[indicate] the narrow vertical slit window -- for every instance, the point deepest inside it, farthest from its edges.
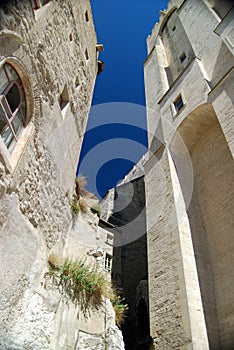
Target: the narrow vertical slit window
(86, 16)
(86, 54)
(77, 82)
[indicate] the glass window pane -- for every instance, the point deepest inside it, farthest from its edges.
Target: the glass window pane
(17, 123)
(23, 106)
(8, 137)
(6, 108)
(3, 121)
(13, 97)
(3, 80)
(12, 73)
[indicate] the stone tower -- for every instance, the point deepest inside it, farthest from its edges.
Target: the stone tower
(189, 176)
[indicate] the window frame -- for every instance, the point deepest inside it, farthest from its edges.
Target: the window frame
(176, 104)
(107, 264)
(11, 116)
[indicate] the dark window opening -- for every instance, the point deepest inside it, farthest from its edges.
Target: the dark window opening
(178, 103)
(174, 28)
(64, 98)
(86, 16)
(77, 82)
(182, 57)
(86, 54)
(13, 97)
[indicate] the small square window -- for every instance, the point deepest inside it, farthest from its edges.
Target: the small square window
(182, 57)
(109, 239)
(178, 103)
(107, 262)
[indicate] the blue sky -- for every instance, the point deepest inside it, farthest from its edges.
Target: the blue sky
(122, 26)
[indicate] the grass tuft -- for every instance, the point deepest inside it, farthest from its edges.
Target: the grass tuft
(85, 286)
(83, 205)
(75, 207)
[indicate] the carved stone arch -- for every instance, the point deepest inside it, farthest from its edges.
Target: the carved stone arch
(210, 216)
(166, 17)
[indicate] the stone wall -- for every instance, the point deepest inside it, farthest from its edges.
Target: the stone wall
(130, 250)
(191, 160)
(53, 50)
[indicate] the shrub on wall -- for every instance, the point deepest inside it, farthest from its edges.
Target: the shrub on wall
(84, 285)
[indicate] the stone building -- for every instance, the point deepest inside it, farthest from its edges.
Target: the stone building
(189, 176)
(48, 67)
(124, 207)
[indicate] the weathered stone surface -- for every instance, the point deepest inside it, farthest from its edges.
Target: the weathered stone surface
(53, 50)
(90, 342)
(189, 221)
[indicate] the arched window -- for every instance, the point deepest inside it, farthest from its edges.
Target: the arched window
(12, 106)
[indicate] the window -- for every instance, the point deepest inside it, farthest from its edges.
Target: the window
(86, 54)
(12, 106)
(64, 98)
(107, 262)
(77, 82)
(86, 16)
(182, 57)
(178, 103)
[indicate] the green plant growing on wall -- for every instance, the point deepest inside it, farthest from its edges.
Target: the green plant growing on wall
(120, 308)
(75, 207)
(78, 205)
(85, 286)
(79, 282)
(96, 209)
